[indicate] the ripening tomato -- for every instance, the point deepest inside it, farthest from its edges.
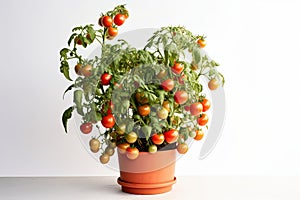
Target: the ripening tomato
(140, 97)
(144, 110)
(213, 84)
(203, 119)
(162, 74)
(166, 105)
(104, 158)
(182, 148)
(121, 129)
(106, 21)
(112, 31)
(108, 121)
(105, 78)
(181, 96)
(109, 151)
(86, 70)
(94, 145)
(177, 68)
(187, 108)
(206, 104)
(122, 148)
(119, 19)
(152, 148)
(78, 68)
(162, 113)
(199, 135)
(181, 79)
(196, 108)
(86, 128)
(132, 153)
(158, 138)
(167, 85)
(131, 137)
(201, 42)
(171, 136)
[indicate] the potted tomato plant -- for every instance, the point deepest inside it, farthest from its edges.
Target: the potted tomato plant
(146, 103)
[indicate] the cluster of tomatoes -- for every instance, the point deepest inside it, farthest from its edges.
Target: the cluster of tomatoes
(110, 23)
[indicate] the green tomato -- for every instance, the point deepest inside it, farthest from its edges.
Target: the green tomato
(152, 148)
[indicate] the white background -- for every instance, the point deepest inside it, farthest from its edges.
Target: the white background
(256, 42)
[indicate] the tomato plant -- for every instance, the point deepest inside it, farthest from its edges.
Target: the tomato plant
(154, 92)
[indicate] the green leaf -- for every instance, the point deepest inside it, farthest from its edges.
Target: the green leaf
(78, 101)
(69, 88)
(64, 68)
(63, 53)
(147, 131)
(92, 33)
(66, 116)
(71, 38)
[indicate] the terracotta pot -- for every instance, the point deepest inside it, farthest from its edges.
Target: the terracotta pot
(149, 173)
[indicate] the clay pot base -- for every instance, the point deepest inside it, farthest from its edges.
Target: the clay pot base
(144, 188)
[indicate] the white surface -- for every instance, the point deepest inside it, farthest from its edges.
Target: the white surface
(208, 188)
(256, 42)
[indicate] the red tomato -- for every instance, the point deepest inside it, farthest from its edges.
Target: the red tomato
(108, 121)
(158, 138)
(122, 148)
(106, 21)
(167, 85)
(119, 19)
(196, 109)
(132, 153)
(181, 96)
(206, 104)
(78, 41)
(202, 120)
(177, 68)
(112, 31)
(171, 136)
(86, 128)
(199, 134)
(105, 79)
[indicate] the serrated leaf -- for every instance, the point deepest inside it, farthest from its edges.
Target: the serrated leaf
(68, 89)
(63, 53)
(66, 116)
(64, 68)
(92, 33)
(71, 38)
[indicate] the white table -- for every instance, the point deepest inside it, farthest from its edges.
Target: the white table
(206, 188)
